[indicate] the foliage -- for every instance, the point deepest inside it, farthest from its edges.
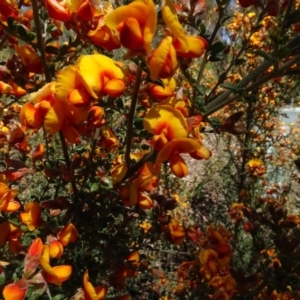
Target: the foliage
(107, 108)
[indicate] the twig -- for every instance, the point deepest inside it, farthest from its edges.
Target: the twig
(96, 136)
(39, 36)
(286, 16)
(13, 33)
(225, 98)
(130, 117)
(210, 41)
(171, 252)
(40, 45)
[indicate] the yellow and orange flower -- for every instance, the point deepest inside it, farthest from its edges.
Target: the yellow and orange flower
(163, 60)
(7, 202)
(57, 10)
(56, 275)
(10, 233)
(170, 137)
(135, 23)
(91, 292)
(31, 215)
(104, 37)
(175, 232)
(15, 291)
(46, 110)
(196, 47)
(68, 234)
(101, 76)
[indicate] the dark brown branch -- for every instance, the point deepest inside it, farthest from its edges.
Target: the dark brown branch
(39, 36)
(40, 46)
(130, 116)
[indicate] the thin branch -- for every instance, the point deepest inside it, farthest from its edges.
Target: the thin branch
(225, 98)
(96, 136)
(13, 33)
(40, 41)
(286, 16)
(138, 79)
(210, 41)
(40, 45)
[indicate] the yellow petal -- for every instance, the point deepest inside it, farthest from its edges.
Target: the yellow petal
(118, 173)
(167, 120)
(12, 206)
(54, 119)
(30, 116)
(170, 18)
(178, 166)
(66, 82)
(63, 272)
(163, 62)
(114, 87)
(15, 291)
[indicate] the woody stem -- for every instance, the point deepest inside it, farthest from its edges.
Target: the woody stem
(130, 117)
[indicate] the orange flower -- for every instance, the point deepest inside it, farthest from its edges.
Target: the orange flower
(32, 258)
(82, 8)
(5, 88)
(92, 293)
(196, 47)
(57, 10)
(68, 234)
(171, 152)
(159, 93)
(136, 24)
(7, 196)
(31, 216)
(256, 167)
(140, 184)
(163, 61)
(101, 76)
(8, 8)
(175, 232)
(29, 58)
(56, 249)
(46, 110)
(9, 233)
(170, 18)
(166, 121)
(56, 275)
(70, 86)
(104, 37)
(15, 291)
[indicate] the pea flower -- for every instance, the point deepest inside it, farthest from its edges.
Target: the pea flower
(135, 23)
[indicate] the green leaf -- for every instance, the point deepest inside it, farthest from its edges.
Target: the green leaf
(51, 27)
(59, 297)
(217, 57)
(217, 48)
(283, 52)
(52, 50)
(2, 278)
(232, 87)
(22, 31)
(265, 55)
(10, 22)
(214, 122)
(94, 187)
(239, 61)
(294, 17)
(202, 28)
(30, 36)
